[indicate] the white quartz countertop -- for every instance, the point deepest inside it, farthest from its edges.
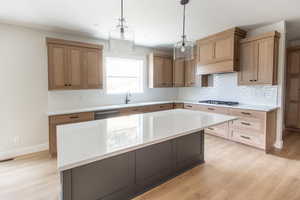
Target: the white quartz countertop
(239, 106)
(86, 142)
(118, 106)
(106, 107)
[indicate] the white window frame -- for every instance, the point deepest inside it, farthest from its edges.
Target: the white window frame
(141, 75)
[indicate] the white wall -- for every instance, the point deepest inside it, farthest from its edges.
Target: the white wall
(25, 99)
(226, 88)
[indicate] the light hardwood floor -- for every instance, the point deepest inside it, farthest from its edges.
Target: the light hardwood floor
(232, 172)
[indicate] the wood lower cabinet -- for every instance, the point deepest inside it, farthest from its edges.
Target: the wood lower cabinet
(292, 98)
(74, 65)
(259, 60)
(64, 119)
(254, 128)
(160, 70)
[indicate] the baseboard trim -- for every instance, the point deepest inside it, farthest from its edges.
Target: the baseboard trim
(23, 151)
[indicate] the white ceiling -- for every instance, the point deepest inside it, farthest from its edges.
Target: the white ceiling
(155, 22)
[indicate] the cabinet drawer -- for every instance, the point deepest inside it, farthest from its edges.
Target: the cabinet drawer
(191, 106)
(178, 105)
(248, 113)
(221, 130)
(248, 125)
(72, 118)
(133, 110)
(252, 139)
(160, 107)
(214, 109)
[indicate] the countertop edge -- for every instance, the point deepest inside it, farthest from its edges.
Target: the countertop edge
(119, 106)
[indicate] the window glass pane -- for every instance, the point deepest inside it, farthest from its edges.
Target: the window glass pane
(124, 75)
(123, 67)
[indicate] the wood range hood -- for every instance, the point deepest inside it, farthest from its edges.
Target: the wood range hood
(219, 53)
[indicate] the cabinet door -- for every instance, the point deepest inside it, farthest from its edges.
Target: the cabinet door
(206, 52)
(248, 60)
(189, 149)
(93, 69)
(57, 67)
(263, 72)
(158, 64)
(179, 73)
(224, 49)
(153, 163)
(168, 72)
(190, 73)
(75, 67)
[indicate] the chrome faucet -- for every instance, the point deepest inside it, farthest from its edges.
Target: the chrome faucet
(127, 99)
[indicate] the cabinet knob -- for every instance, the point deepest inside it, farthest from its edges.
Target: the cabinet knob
(66, 84)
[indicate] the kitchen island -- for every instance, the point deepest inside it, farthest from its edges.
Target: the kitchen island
(119, 158)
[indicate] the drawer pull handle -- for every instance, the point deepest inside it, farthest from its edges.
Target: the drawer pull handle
(245, 137)
(189, 106)
(246, 124)
(74, 117)
(210, 108)
(161, 106)
(246, 113)
(211, 129)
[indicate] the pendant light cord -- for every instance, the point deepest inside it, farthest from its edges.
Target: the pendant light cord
(183, 31)
(122, 16)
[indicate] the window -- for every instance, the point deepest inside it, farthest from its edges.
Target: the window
(124, 75)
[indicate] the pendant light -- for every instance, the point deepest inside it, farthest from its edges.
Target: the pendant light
(121, 34)
(184, 49)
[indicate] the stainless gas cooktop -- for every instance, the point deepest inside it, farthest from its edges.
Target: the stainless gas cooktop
(228, 103)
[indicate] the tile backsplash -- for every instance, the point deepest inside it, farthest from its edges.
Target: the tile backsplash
(226, 88)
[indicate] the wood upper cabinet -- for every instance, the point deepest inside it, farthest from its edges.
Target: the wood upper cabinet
(259, 57)
(190, 73)
(219, 53)
(160, 70)
(246, 75)
(58, 72)
(224, 48)
(206, 52)
(94, 74)
(74, 65)
(184, 73)
(179, 73)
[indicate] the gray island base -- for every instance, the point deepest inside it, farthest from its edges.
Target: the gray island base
(127, 175)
